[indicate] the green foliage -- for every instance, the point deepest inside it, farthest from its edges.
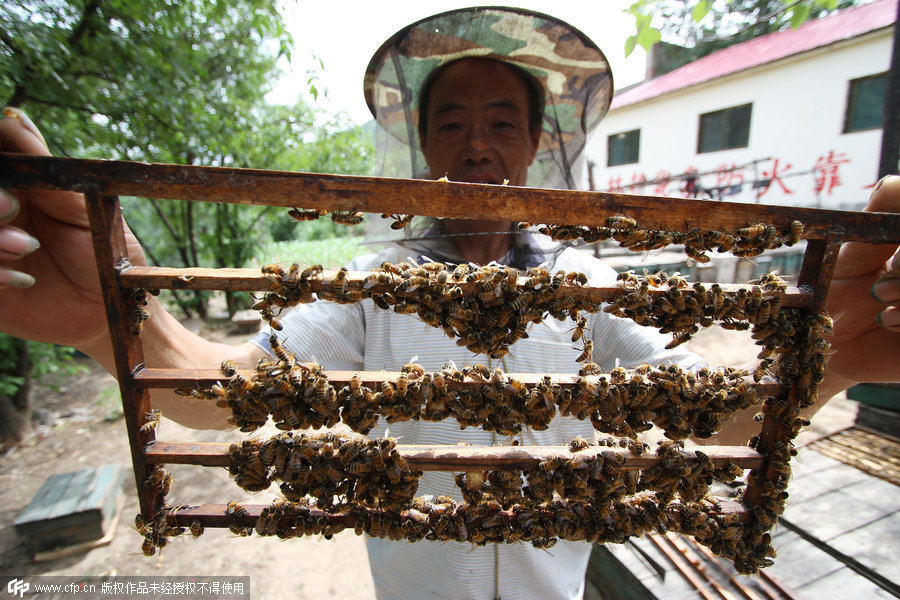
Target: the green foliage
(175, 82)
(46, 363)
(709, 26)
(331, 253)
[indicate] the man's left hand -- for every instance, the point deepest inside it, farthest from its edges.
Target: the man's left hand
(864, 301)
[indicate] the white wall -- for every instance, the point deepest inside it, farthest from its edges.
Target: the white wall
(797, 118)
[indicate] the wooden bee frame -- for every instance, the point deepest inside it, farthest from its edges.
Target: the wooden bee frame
(102, 182)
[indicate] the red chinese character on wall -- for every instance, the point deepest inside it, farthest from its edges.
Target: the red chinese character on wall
(774, 176)
(662, 179)
(728, 175)
(827, 171)
(638, 181)
(615, 184)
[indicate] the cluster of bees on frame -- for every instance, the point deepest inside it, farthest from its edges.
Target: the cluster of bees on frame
(331, 483)
(625, 402)
(334, 470)
(747, 242)
(487, 309)
(586, 493)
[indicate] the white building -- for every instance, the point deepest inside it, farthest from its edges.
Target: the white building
(791, 118)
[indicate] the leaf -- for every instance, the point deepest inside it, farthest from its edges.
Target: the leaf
(701, 10)
(799, 15)
(647, 37)
(630, 43)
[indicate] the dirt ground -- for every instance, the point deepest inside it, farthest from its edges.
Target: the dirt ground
(79, 435)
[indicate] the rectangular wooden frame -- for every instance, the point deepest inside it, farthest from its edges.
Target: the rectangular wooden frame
(103, 182)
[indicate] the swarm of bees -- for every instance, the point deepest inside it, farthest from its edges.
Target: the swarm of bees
(487, 316)
(495, 310)
(327, 467)
(582, 498)
(332, 482)
(748, 241)
(342, 217)
(684, 308)
(625, 402)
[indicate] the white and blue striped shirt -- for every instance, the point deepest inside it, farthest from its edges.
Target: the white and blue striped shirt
(362, 337)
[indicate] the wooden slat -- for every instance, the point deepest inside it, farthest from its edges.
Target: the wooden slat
(111, 253)
(252, 280)
(186, 378)
(462, 458)
(430, 198)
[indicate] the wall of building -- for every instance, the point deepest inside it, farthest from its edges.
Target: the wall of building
(796, 148)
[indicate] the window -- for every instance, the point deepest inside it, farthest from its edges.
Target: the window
(865, 103)
(724, 129)
(623, 148)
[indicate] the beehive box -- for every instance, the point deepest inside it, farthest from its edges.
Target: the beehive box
(71, 509)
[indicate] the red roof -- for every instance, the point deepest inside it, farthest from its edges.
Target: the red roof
(765, 49)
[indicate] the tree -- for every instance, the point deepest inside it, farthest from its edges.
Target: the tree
(705, 26)
(161, 81)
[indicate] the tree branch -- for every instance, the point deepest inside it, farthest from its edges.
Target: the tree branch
(82, 29)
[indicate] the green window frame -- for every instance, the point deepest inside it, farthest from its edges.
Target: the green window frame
(623, 148)
(725, 129)
(865, 103)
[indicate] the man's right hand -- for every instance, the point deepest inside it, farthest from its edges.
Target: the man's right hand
(51, 293)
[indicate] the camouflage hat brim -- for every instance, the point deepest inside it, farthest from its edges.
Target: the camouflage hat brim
(572, 70)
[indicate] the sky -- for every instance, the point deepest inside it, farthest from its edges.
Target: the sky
(345, 34)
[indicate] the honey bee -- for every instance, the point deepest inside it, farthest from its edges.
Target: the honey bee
(621, 222)
(339, 285)
(228, 367)
(152, 421)
(347, 217)
(460, 272)
(577, 444)
(300, 214)
(400, 220)
(196, 529)
(310, 272)
(586, 352)
(148, 547)
(752, 231)
(589, 368)
(578, 330)
(795, 233)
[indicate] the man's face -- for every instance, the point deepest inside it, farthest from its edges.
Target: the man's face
(477, 124)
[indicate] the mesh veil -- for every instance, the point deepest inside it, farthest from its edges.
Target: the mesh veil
(571, 69)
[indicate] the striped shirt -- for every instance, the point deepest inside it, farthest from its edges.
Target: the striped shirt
(364, 337)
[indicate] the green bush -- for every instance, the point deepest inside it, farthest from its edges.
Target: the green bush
(44, 362)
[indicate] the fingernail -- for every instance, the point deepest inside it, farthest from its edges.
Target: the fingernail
(888, 319)
(17, 243)
(886, 290)
(15, 113)
(881, 182)
(17, 279)
(9, 206)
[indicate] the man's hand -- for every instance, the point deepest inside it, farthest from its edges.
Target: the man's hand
(51, 293)
(864, 301)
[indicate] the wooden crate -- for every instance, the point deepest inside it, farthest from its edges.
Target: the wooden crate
(71, 509)
(103, 181)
